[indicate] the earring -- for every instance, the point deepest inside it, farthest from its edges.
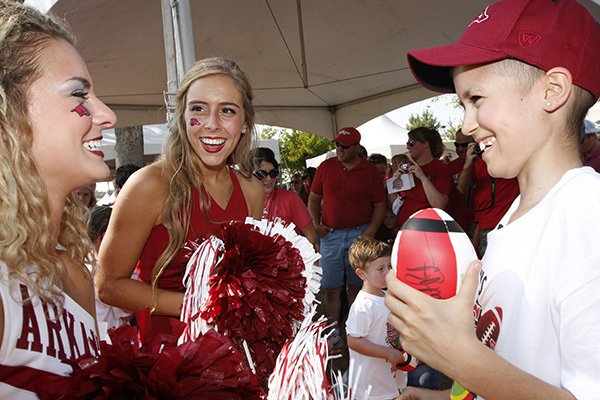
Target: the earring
(548, 104)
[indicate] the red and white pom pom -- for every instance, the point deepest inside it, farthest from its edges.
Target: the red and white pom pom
(431, 253)
(312, 272)
(254, 283)
(195, 280)
(300, 371)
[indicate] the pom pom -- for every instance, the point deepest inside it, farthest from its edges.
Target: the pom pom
(300, 371)
(253, 284)
(208, 368)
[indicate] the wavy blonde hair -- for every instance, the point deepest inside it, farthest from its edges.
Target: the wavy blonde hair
(26, 244)
(181, 163)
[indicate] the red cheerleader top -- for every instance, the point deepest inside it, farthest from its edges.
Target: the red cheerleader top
(172, 276)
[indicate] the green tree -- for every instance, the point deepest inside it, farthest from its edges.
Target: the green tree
(296, 147)
(425, 119)
(429, 120)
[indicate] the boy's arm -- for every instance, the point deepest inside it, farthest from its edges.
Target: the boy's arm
(364, 346)
(441, 334)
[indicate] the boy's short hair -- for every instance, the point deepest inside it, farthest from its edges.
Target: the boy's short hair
(542, 33)
(527, 75)
(365, 250)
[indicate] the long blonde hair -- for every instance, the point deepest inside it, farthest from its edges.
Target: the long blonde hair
(26, 243)
(182, 164)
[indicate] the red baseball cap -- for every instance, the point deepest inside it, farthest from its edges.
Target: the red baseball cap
(348, 136)
(543, 33)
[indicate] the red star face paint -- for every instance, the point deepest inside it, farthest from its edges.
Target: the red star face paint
(81, 111)
(194, 122)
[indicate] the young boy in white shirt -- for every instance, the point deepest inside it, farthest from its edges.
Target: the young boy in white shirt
(526, 72)
(367, 328)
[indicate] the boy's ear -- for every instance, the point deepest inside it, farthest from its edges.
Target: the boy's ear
(558, 85)
(360, 273)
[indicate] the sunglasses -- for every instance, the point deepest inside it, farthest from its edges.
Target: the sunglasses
(341, 146)
(260, 174)
(463, 145)
(410, 143)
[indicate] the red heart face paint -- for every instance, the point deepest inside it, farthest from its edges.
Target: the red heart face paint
(194, 122)
(81, 111)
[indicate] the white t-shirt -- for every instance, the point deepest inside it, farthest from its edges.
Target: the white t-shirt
(538, 303)
(368, 319)
(33, 337)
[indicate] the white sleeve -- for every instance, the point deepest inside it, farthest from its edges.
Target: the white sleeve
(580, 339)
(359, 319)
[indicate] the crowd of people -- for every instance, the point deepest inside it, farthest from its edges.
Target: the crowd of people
(524, 187)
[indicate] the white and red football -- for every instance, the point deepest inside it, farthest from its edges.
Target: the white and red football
(432, 253)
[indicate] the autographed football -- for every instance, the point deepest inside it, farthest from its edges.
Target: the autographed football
(431, 253)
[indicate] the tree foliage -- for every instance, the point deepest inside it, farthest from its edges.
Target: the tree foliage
(296, 147)
(429, 120)
(425, 119)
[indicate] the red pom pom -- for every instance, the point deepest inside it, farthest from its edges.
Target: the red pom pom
(208, 368)
(256, 292)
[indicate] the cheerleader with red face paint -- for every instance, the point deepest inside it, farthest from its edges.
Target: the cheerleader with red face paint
(184, 196)
(50, 128)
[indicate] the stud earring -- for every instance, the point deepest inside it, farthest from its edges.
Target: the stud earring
(548, 104)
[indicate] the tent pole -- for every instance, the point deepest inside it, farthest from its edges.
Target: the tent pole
(172, 82)
(185, 34)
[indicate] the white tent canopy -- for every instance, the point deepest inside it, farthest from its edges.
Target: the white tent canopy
(315, 65)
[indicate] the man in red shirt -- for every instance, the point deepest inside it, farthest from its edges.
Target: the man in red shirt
(347, 200)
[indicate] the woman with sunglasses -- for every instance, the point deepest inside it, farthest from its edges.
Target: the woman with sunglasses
(281, 204)
(433, 182)
(184, 196)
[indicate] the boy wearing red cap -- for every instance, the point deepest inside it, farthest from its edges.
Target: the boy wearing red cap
(526, 72)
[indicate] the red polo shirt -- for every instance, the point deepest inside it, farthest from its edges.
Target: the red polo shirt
(348, 195)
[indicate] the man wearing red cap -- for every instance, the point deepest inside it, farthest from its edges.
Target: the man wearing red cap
(526, 72)
(346, 200)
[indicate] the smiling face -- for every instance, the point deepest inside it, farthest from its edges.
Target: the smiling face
(501, 116)
(504, 117)
(268, 181)
(67, 120)
(214, 118)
